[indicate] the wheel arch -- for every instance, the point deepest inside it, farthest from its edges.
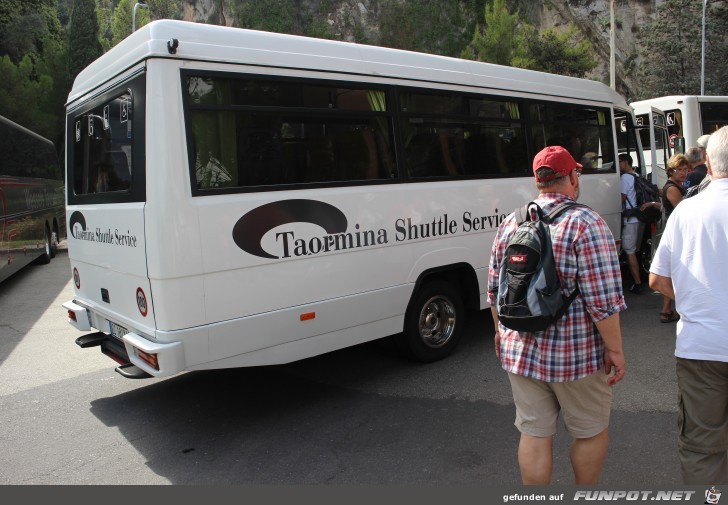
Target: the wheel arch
(461, 276)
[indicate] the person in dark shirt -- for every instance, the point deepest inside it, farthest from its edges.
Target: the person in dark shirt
(696, 158)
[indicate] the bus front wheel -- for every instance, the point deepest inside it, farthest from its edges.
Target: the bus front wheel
(433, 322)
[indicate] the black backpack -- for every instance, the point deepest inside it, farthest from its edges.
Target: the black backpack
(529, 292)
(646, 192)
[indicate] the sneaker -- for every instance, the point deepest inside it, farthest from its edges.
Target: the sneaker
(636, 288)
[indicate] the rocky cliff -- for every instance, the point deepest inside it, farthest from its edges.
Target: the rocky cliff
(362, 21)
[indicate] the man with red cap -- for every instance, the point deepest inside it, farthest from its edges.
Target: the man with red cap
(569, 367)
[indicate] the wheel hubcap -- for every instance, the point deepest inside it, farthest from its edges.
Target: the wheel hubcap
(437, 321)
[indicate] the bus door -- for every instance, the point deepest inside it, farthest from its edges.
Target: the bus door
(653, 132)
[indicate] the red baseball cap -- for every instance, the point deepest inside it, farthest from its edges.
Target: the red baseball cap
(557, 159)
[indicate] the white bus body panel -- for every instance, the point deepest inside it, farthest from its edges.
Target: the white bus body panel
(209, 316)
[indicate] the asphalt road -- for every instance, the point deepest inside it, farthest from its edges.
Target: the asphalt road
(358, 416)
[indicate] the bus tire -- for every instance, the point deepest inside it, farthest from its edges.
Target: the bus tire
(45, 258)
(54, 244)
(433, 322)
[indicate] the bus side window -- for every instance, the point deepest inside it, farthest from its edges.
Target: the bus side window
(357, 152)
(259, 157)
(321, 160)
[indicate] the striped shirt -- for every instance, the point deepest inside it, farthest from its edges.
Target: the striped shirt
(585, 256)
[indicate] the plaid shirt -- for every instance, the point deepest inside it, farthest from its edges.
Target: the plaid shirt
(585, 256)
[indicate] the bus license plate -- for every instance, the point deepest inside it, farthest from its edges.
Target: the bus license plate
(117, 331)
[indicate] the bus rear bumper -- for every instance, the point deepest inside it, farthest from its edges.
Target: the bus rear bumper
(137, 356)
(156, 359)
(78, 316)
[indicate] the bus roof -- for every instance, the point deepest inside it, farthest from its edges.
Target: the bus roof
(240, 46)
(15, 125)
(674, 100)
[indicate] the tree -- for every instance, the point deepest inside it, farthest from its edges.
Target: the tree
(563, 53)
(429, 26)
(277, 16)
(163, 9)
(671, 50)
(498, 43)
(716, 49)
(83, 38)
(22, 92)
(105, 17)
(24, 26)
(121, 24)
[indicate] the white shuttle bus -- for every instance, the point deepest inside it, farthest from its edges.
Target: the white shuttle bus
(687, 117)
(670, 124)
(241, 198)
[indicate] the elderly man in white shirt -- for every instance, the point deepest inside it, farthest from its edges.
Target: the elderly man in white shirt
(690, 267)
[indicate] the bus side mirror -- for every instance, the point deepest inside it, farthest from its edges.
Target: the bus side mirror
(679, 144)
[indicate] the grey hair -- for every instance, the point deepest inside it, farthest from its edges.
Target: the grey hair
(547, 172)
(717, 151)
(693, 155)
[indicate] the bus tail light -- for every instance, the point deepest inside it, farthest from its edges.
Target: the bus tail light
(148, 358)
(77, 316)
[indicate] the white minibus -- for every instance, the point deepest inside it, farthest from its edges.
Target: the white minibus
(241, 198)
(688, 117)
(671, 124)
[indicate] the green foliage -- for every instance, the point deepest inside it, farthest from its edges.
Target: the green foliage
(83, 38)
(671, 50)
(429, 26)
(105, 17)
(507, 40)
(269, 15)
(54, 65)
(22, 92)
(33, 63)
(122, 22)
(295, 17)
(163, 9)
(24, 26)
(716, 49)
(498, 43)
(563, 53)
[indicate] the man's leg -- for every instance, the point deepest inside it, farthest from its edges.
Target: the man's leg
(634, 267)
(535, 459)
(586, 405)
(630, 232)
(536, 413)
(587, 457)
(703, 420)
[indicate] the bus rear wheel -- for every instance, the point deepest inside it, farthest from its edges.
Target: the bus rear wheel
(433, 323)
(45, 258)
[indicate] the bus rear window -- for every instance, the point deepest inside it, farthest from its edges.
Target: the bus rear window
(102, 147)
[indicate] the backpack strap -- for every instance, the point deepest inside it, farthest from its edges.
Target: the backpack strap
(553, 214)
(560, 208)
(523, 214)
(633, 205)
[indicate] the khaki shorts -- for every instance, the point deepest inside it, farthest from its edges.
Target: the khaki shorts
(631, 232)
(585, 405)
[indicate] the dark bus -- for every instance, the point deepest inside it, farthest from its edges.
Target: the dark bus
(32, 211)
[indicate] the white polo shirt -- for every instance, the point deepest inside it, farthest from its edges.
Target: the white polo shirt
(693, 252)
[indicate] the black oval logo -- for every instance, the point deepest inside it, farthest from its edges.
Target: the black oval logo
(76, 218)
(250, 229)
